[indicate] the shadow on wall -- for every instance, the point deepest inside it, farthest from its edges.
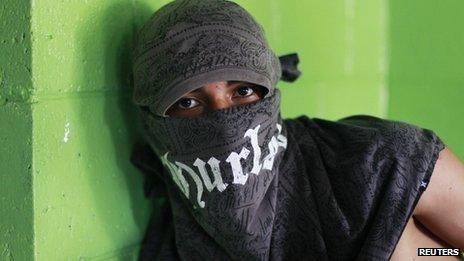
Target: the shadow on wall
(112, 126)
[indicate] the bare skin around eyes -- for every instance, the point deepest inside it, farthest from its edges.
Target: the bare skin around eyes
(215, 96)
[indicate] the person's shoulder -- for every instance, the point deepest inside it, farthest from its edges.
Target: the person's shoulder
(401, 135)
(354, 122)
(365, 131)
(364, 126)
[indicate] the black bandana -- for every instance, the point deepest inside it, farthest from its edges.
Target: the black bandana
(225, 164)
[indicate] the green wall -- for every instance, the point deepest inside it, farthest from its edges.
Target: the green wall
(67, 123)
(342, 47)
(426, 81)
(88, 201)
(67, 128)
(16, 192)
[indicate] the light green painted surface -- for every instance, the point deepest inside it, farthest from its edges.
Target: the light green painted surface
(427, 67)
(16, 213)
(81, 46)
(88, 198)
(342, 48)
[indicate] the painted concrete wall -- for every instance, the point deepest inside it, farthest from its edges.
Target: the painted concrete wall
(426, 81)
(342, 47)
(67, 124)
(88, 201)
(16, 193)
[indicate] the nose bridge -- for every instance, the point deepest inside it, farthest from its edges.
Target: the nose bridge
(218, 96)
(220, 102)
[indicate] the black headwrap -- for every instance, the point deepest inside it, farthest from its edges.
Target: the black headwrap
(189, 43)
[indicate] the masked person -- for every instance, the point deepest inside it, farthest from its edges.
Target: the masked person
(241, 182)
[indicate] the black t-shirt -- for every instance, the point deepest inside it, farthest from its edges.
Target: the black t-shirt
(346, 190)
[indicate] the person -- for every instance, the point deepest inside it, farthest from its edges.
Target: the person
(241, 183)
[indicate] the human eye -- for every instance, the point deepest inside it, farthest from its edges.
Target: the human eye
(187, 103)
(244, 91)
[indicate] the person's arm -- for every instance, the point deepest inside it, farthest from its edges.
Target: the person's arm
(441, 206)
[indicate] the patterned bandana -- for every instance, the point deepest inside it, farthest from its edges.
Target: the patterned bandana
(189, 43)
(225, 163)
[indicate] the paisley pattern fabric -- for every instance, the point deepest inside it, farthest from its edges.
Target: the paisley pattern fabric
(348, 188)
(188, 43)
(225, 165)
(344, 190)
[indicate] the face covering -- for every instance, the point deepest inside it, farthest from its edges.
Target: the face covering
(225, 163)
